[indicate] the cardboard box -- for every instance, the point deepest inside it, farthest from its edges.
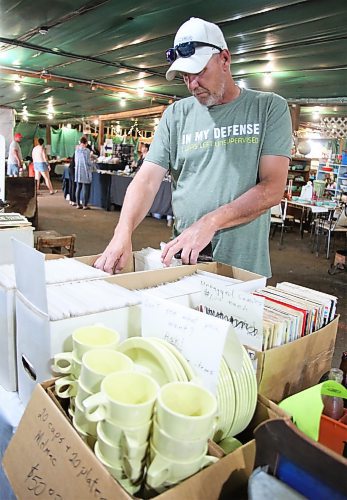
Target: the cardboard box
(8, 362)
(293, 367)
(38, 337)
(47, 457)
(281, 371)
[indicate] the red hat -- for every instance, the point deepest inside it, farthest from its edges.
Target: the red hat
(18, 136)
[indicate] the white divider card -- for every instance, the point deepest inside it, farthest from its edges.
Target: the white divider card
(30, 273)
(242, 310)
(199, 338)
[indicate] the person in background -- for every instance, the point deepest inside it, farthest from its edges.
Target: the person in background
(72, 185)
(144, 148)
(41, 166)
(83, 174)
(228, 150)
(15, 159)
(31, 171)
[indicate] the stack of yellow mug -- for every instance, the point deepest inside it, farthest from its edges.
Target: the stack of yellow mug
(93, 356)
(123, 409)
(184, 420)
(142, 434)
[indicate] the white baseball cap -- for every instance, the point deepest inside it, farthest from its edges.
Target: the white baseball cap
(195, 30)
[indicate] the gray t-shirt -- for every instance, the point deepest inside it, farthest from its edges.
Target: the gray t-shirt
(12, 159)
(213, 154)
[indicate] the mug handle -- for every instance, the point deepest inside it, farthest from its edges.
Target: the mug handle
(157, 472)
(70, 386)
(62, 362)
(209, 460)
(95, 407)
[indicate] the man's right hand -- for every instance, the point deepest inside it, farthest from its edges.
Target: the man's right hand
(115, 256)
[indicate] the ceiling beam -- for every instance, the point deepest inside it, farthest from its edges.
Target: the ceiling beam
(154, 110)
(43, 75)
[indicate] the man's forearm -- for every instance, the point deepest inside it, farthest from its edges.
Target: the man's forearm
(245, 208)
(268, 192)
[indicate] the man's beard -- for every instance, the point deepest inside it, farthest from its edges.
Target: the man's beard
(210, 98)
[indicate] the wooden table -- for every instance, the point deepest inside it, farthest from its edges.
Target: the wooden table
(307, 208)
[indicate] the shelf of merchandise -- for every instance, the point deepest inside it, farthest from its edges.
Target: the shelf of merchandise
(338, 171)
(295, 175)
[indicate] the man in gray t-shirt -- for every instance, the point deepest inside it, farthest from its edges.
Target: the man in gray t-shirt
(14, 160)
(228, 152)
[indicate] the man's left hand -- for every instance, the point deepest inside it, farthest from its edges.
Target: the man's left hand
(190, 243)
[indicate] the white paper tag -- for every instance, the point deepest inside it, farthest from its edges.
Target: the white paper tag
(242, 310)
(200, 338)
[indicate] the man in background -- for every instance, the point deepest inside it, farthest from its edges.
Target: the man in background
(15, 159)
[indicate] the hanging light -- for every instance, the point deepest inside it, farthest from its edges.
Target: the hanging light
(316, 114)
(267, 79)
(141, 89)
(16, 86)
(122, 102)
(25, 114)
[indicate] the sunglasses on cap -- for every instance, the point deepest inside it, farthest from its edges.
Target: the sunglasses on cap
(186, 49)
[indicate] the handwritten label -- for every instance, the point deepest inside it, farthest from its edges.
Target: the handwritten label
(199, 338)
(242, 310)
(37, 486)
(57, 453)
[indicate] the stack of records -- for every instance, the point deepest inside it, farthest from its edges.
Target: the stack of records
(13, 220)
(293, 311)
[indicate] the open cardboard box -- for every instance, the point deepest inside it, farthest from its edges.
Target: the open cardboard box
(8, 364)
(39, 338)
(281, 371)
(46, 457)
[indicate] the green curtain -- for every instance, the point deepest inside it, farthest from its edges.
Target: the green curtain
(28, 131)
(64, 141)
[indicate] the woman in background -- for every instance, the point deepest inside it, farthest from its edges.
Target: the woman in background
(41, 166)
(83, 174)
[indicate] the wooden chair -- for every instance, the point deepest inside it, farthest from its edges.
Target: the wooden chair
(328, 225)
(64, 245)
(278, 219)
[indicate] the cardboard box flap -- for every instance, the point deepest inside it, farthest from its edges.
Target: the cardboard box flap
(47, 458)
(30, 268)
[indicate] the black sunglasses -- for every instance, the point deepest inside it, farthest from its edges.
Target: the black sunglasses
(186, 49)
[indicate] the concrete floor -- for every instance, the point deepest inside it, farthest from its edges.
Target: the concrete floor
(294, 262)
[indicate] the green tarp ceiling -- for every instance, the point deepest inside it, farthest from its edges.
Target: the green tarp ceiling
(303, 43)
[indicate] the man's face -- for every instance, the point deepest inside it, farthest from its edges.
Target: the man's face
(207, 86)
